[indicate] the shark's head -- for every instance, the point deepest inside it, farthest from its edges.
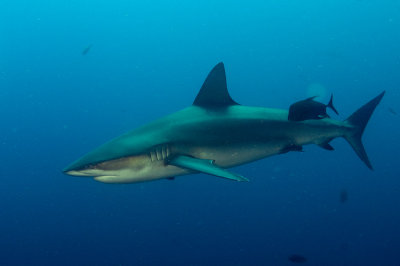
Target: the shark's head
(126, 159)
(120, 160)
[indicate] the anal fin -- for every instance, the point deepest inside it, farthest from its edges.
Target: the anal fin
(326, 146)
(204, 166)
(292, 147)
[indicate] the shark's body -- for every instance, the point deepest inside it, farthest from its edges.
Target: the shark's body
(213, 134)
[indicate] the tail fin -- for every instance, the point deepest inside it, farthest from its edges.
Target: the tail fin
(359, 119)
(330, 104)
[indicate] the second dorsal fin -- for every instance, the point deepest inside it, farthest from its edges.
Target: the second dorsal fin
(214, 92)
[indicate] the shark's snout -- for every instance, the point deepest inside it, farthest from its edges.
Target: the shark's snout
(74, 173)
(86, 170)
(78, 172)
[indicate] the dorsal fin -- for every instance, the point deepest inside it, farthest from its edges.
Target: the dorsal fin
(214, 92)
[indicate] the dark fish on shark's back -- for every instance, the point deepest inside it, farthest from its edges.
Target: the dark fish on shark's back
(309, 109)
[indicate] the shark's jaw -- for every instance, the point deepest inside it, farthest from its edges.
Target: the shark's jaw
(129, 169)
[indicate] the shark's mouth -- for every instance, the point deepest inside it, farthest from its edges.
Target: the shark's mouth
(88, 173)
(98, 177)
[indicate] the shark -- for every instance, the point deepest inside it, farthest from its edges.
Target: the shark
(212, 135)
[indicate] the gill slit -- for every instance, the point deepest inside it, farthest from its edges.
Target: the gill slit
(160, 153)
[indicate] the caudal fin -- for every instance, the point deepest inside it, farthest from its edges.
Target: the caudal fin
(359, 119)
(330, 104)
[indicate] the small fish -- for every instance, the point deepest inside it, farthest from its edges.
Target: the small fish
(309, 109)
(343, 196)
(295, 258)
(392, 111)
(86, 50)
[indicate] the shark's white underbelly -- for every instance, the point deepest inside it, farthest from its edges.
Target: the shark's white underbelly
(230, 156)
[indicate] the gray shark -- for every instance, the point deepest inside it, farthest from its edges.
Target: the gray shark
(213, 134)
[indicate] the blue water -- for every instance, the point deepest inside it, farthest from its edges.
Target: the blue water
(148, 59)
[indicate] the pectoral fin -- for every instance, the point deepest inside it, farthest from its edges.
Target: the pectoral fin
(204, 166)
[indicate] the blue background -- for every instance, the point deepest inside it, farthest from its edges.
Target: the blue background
(148, 59)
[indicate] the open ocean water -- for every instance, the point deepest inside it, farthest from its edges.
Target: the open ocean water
(74, 74)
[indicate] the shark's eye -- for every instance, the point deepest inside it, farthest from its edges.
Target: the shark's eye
(89, 166)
